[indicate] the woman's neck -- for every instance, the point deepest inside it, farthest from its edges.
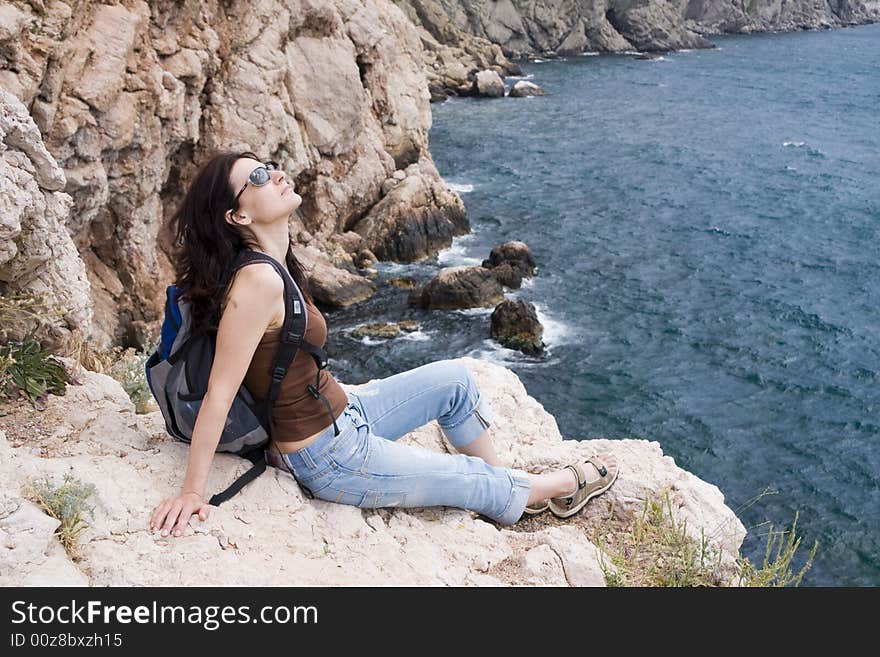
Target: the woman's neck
(277, 254)
(273, 240)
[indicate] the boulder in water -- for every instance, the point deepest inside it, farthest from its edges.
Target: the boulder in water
(515, 325)
(526, 88)
(510, 263)
(460, 287)
(488, 83)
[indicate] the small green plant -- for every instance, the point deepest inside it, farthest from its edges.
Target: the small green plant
(777, 572)
(66, 503)
(658, 551)
(25, 368)
(129, 371)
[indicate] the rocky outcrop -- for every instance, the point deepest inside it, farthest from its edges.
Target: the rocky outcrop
(478, 286)
(130, 97)
(729, 16)
(37, 254)
(524, 27)
(514, 324)
(452, 53)
(270, 534)
(330, 284)
(384, 330)
(465, 286)
(417, 216)
(510, 263)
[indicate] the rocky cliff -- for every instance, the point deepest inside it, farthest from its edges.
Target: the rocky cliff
(107, 109)
(525, 27)
(270, 534)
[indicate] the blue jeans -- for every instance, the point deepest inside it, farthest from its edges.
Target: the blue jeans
(365, 467)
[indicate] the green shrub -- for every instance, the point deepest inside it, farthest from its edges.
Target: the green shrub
(656, 550)
(777, 572)
(66, 503)
(25, 368)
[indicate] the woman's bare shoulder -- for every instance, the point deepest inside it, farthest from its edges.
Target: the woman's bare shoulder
(258, 278)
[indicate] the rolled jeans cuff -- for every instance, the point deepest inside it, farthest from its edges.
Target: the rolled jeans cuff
(473, 426)
(519, 496)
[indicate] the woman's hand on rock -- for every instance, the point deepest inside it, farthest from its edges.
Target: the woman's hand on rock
(172, 514)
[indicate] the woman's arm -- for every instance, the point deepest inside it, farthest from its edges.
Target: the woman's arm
(253, 302)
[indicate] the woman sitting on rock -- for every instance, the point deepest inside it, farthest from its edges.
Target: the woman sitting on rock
(237, 202)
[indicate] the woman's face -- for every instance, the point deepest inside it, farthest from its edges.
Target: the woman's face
(276, 199)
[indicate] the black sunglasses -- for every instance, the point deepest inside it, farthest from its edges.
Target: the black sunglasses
(259, 177)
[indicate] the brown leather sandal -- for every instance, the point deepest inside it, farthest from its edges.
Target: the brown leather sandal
(566, 506)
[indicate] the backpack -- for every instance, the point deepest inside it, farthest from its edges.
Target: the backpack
(178, 371)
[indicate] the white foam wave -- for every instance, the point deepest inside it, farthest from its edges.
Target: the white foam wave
(371, 341)
(460, 188)
(590, 53)
(416, 336)
(495, 353)
(391, 267)
(796, 144)
(555, 331)
(470, 312)
(454, 255)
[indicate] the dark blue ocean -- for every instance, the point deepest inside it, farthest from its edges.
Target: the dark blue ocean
(706, 231)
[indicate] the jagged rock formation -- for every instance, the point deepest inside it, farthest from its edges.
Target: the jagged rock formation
(527, 27)
(128, 98)
(37, 254)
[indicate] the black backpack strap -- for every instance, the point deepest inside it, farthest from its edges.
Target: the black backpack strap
(286, 353)
(258, 458)
(292, 336)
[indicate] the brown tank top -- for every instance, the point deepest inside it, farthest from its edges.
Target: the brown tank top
(298, 415)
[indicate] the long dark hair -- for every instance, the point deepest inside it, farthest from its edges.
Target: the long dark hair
(206, 244)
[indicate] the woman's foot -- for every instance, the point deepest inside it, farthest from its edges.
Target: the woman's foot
(589, 478)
